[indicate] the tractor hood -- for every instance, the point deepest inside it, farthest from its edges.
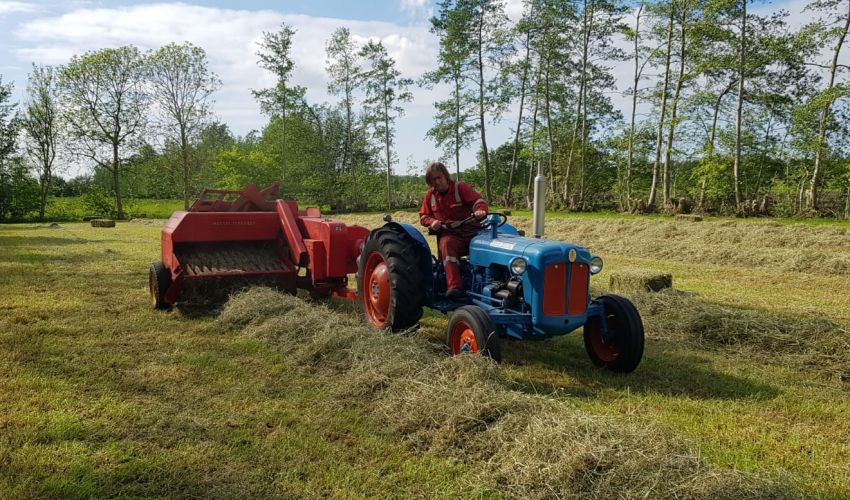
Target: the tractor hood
(486, 250)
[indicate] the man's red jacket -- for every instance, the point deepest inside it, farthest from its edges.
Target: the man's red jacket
(457, 203)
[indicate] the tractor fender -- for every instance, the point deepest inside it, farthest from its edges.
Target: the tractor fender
(412, 231)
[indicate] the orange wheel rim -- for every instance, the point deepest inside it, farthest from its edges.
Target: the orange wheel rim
(376, 288)
(463, 339)
(606, 351)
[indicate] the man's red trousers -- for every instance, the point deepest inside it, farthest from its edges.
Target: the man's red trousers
(452, 247)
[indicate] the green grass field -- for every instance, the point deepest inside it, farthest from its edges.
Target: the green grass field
(103, 396)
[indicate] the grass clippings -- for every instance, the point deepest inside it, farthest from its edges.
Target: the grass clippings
(464, 407)
(815, 344)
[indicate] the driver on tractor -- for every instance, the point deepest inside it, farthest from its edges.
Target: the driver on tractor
(447, 203)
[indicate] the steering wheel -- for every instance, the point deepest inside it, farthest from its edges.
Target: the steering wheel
(502, 219)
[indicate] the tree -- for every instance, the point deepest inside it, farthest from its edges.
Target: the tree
(452, 129)
(640, 59)
(525, 30)
(834, 29)
(41, 127)
(8, 122)
(665, 87)
(18, 192)
(106, 105)
(182, 85)
(384, 91)
(342, 68)
(275, 56)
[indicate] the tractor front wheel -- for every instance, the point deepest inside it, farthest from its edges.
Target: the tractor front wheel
(622, 350)
(159, 281)
(471, 331)
(390, 285)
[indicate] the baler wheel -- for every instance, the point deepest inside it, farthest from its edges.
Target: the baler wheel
(390, 285)
(624, 352)
(471, 331)
(159, 281)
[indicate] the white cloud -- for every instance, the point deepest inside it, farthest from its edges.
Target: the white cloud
(14, 7)
(413, 5)
(230, 38)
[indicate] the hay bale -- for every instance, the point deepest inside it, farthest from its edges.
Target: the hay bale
(639, 280)
(689, 217)
(102, 223)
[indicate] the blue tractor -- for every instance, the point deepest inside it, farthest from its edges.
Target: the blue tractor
(518, 287)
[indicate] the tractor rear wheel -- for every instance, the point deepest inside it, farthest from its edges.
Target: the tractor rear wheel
(390, 281)
(471, 331)
(623, 351)
(159, 281)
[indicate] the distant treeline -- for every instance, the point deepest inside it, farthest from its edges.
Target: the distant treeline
(731, 110)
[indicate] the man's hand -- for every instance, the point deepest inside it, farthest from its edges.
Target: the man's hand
(436, 225)
(480, 214)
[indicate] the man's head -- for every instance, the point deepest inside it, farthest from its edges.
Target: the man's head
(437, 176)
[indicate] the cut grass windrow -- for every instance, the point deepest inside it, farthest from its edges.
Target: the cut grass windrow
(465, 407)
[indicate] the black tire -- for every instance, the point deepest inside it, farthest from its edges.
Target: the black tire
(624, 354)
(484, 339)
(393, 300)
(159, 281)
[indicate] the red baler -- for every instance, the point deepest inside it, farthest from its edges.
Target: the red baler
(248, 234)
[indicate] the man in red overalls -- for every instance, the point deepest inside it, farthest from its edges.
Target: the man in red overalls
(448, 201)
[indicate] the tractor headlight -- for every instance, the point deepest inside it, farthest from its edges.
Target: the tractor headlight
(518, 266)
(595, 265)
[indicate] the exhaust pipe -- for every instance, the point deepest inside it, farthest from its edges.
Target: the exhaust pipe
(539, 203)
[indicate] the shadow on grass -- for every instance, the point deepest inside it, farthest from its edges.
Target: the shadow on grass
(563, 365)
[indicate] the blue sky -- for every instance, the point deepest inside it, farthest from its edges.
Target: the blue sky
(50, 32)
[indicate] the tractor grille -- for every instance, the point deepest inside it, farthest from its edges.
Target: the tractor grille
(226, 258)
(560, 278)
(579, 281)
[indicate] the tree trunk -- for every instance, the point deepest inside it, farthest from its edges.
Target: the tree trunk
(711, 138)
(549, 134)
(515, 153)
(485, 152)
(528, 192)
(653, 190)
(184, 158)
(671, 131)
(588, 28)
(812, 201)
(457, 124)
(116, 186)
(387, 145)
(45, 187)
(283, 139)
(736, 165)
(630, 155)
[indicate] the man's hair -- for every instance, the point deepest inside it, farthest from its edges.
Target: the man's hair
(434, 170)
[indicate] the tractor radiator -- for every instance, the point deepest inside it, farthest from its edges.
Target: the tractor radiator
(565, 288)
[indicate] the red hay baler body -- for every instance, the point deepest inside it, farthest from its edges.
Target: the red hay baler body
(245, 234)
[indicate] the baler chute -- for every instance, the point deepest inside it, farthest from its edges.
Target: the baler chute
(247, 236)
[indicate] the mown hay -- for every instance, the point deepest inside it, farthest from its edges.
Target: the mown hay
(757, 244)
(523, 445)
(815, 344)
(639, 280)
